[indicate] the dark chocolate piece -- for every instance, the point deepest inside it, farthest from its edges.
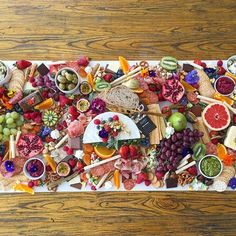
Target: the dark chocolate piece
(77, 185)
(145, 125)
(187, 67)
(43, 70)
(28, 102)
(171, 183)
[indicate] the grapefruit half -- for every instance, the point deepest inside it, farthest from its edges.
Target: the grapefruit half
(216, 116)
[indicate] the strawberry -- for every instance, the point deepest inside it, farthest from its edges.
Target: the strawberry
(23, 64)
(107, 77)
(124, 152)
(133, 151)
(192, 170)
(63, 100)
(83, 61)
(221, 70)
(72, 162)
(73, 111)
(141, 177)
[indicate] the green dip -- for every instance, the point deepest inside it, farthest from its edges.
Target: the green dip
(210, 166)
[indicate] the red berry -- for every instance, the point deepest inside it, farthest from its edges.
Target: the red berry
(38, 119)
(27, 116)
(36, 182)
(93, 188)
(124, 151)
(97, 121)
(45, 94)
(220, 63)
(114, 134)
(73, 111)
(107, 128)
(115, 117)
(166, 110)
(147, 182)
(32, 80)
(34, 114)
(31, 184)
(160, 175)
(64, 124)
(107, 77)
(203, 64)
(80, 166)
(70, 151)
(104, 140)
(198, 62)
(181, 109)
(133, 152)
(59, 127)
(221, 70)
(215, 141)
(192, 170)
(83, 61)
(23, 64)
(72, 118)
(65, 148)
(160, 97)
(72, 162)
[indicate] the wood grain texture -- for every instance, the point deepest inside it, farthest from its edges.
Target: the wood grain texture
(136, 29)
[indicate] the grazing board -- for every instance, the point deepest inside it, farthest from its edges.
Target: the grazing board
(72, 126)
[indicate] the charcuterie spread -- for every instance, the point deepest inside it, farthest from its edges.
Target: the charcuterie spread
(122, 125)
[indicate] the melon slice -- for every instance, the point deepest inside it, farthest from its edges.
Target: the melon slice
(216, 116)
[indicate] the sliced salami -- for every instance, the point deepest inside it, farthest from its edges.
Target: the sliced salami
(129, 184)
(98, 171)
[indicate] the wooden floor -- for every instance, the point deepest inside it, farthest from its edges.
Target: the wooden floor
(147, 29)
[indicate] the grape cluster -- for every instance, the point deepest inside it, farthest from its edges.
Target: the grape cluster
(9, 124)
(171, 149)
(42, 81)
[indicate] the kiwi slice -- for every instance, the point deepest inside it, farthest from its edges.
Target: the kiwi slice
(199, 151)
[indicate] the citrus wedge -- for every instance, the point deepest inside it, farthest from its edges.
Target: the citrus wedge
(50, 161)
(124, 64)
(117, 179)
(87, 159)
(45, 104)
(187, 86)
(221, 151)
(221, 98)
(23, 188)
(104, 152)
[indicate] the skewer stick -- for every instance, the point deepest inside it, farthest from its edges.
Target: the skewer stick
(180, 170)
(16, 141)
(208, 99)
(123, 77)
(100, 163)
(62, 141)
(230, 108)
(102, 180)
(6, 155)
(12, 147)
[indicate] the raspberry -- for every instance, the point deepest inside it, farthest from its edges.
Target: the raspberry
(65, 148)
(220, 63)
(115, 117)
(31, 184)
(97, 121)
(70, 151)
(93, 188)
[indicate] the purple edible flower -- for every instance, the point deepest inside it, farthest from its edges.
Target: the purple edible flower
(9, 166)
(152, 73)
(232, 183)
(192, 77)
(98, 106)
(103, 133)
(33, 169)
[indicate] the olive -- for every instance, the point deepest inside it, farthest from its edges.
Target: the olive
(62, 86)
(61, 79)
(75, 80)
(70, 86)
(63, 72)
(69, 76)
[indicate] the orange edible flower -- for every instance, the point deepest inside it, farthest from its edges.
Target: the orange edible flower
(229, 159)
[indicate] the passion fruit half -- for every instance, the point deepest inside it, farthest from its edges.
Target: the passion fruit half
(83, 105)
(63, 169)
(85, 88)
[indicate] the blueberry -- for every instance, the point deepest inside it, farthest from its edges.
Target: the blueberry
(187, 151)
(110, 119)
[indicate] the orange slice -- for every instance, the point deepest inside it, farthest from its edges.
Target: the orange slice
(221, 150)
(187, 86)
(88, 148)
(222, 98)
(117, 179)
(124, 64)
(23, 188)
(87, 159)
(104, 152)
(50, 161)
(45, 104)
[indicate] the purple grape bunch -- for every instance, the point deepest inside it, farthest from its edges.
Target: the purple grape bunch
(43, 81)
(171, 149)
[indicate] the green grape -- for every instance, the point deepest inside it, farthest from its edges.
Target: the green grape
(13, 125)
(14, 115)
(9, 121)
(19, 123)
(13, 131)
(0, 128)
(2, 118)
(5, 138)
(8, 115)
(6, 131)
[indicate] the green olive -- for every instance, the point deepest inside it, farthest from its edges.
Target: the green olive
(62, 86)
(61, 79)
(70, 86)
(75, 81)
(63, 72)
